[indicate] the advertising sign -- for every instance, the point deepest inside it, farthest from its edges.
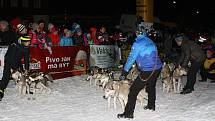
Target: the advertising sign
(104, 56)
(63, 62)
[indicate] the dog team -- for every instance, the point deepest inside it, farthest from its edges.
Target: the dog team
(171, 77)
(116, 91)
(31, 84)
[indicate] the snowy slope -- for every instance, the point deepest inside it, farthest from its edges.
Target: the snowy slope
(73, 99)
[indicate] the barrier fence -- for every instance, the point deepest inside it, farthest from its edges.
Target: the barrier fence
(69, 60)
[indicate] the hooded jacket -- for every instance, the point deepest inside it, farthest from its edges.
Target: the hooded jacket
(209, 65)
(190, 51)
(14, 55)
(66, 41)
(145, 54)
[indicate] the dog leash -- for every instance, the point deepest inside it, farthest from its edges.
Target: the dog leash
(144, 80)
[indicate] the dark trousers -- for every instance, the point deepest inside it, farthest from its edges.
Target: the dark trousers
(6, 76)
(191, 74)
(138, 85)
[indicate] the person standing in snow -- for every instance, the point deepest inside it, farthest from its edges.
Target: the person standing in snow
(12, 61)
(144, 53)
(190, 52)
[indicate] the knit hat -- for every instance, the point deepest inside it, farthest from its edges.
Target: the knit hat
(4, 22)
(25, 38)
(75, 27)
(50, 26)
(209, 53)
(179, 38)
(35, 26)
(41, 21)
(69, 32)
(20, 27)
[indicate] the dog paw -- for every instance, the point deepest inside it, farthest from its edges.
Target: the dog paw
(31, 98)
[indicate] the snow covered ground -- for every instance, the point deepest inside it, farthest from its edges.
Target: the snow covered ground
(73, 99)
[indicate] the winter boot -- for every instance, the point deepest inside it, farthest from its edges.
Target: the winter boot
(1, 94)
(147, 107)
(185, 88)
(203, 80)
(126, 116)
(186, 91)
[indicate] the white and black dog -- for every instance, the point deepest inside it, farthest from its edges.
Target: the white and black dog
(29, 83)
(118, 90)
(39, 83)
(177, 79)
(166, 78)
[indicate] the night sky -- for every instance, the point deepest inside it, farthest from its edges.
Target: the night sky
(95, 7)
(189, 12)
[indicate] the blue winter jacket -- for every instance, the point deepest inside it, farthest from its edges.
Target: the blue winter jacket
(66, 41)
(144, 52)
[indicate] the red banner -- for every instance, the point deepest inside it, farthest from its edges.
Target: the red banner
(63, 62)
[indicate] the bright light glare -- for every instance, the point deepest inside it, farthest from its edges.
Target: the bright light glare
(201, 39)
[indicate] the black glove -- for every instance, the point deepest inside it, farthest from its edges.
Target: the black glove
(123, 75)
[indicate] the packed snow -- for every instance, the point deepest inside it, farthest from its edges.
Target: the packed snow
(74, 99)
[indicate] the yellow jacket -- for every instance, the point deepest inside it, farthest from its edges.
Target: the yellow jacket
(208, 62)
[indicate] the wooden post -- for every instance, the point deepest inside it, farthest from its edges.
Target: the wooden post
(144, 9)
